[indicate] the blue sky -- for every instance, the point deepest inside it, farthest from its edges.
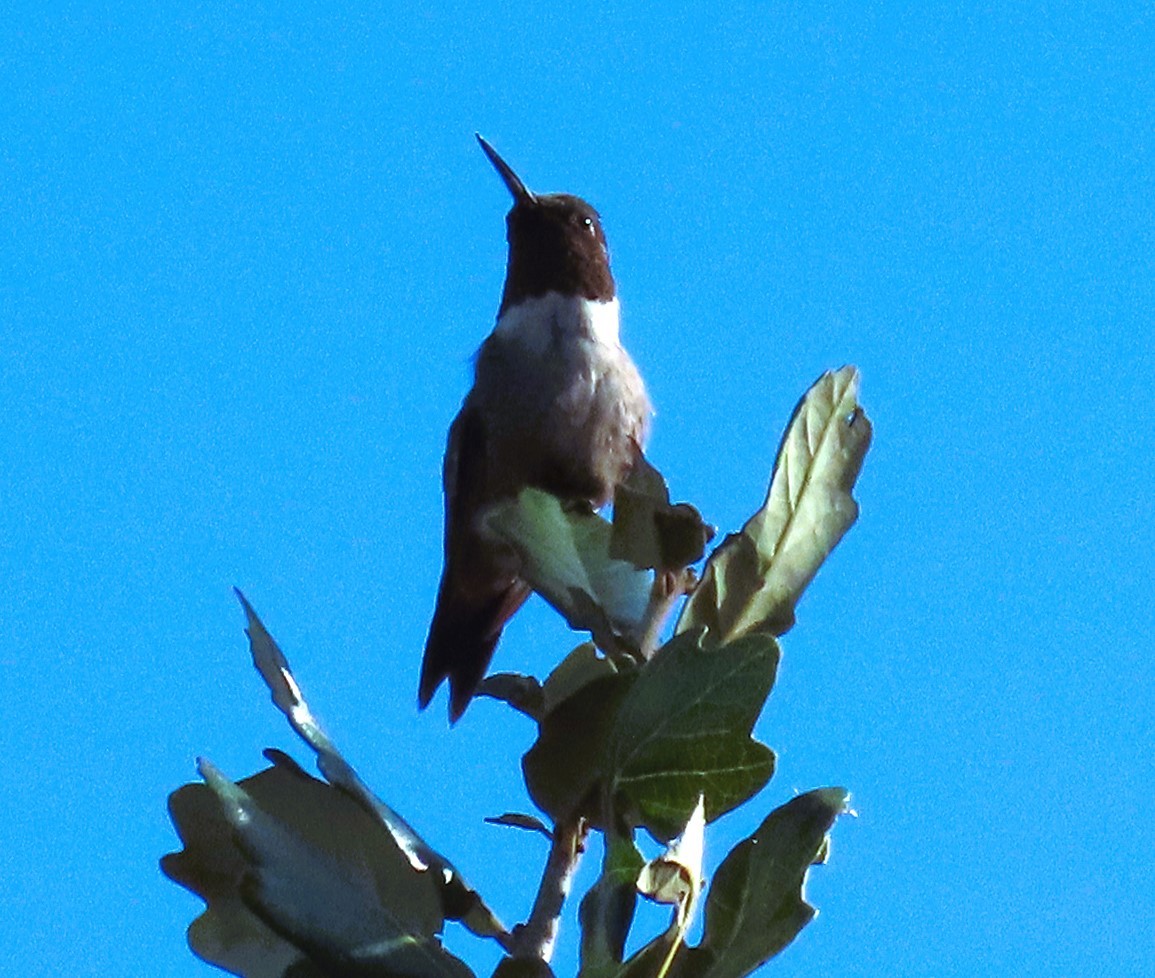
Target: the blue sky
(245, 256)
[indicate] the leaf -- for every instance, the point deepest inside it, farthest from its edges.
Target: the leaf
(459, 900)
(675, 877)
(582, 666)
(755, 578)
(565, 558)
(567, 761)
(518, 820)
(522, 968)
(327, 878)
(523, 693)
(756, 905)
(311, 866)
(227, 934)
(683, 730)
(683, 535)
(658, 737)
(648, 531)
(607, 910)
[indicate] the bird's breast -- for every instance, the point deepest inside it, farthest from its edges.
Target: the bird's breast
(564, 404)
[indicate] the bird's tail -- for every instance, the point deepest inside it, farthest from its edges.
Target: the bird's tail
(462, 637)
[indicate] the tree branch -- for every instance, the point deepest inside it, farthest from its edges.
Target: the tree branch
(538, 935)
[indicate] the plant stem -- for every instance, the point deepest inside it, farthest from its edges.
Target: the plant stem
(668, 586)
(538, 935)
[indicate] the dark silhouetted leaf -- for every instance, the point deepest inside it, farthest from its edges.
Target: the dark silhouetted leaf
(754, 579)
(517, 820)
(648, 531)
(607, 910)
(307, 969)
(522, 968)
(567, 762)
(684, 730)
(523, 693)
(755, 906)
(683, 535)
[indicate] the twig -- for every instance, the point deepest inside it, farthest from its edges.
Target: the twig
(668, 586)
(538, 935)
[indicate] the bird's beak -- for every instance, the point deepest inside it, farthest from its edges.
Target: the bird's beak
(521, 193)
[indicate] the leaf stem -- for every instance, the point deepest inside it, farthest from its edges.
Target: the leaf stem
(679, 939)
(668, 587)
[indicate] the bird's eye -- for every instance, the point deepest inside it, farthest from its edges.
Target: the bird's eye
(589, 224)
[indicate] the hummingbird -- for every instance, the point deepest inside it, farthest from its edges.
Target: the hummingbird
(556, 404)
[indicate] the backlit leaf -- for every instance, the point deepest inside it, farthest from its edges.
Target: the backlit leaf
(754, 579)
(566, 558)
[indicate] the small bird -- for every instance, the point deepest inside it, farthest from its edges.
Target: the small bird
(556, 403)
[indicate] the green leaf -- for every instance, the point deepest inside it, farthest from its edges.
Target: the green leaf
(755, 906)
(755, 578)
(566, 764)
(314, 868)
(607, 910)
(459, 900)
(227, 934)
(522, 968)
(519, 820)
(566, 558)
(684, 728)
(523, 693)
(582, 666)
(650, 532)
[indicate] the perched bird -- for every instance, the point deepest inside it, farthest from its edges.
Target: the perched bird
(556, 403)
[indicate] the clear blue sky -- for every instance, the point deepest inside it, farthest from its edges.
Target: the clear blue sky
(245, 256)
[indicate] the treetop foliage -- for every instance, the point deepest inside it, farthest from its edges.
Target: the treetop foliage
(307, 877)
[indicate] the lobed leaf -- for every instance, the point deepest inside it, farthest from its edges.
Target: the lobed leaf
(227, 934)
(566, 765)
(756, 904)
(683, 730)
(292, 869)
